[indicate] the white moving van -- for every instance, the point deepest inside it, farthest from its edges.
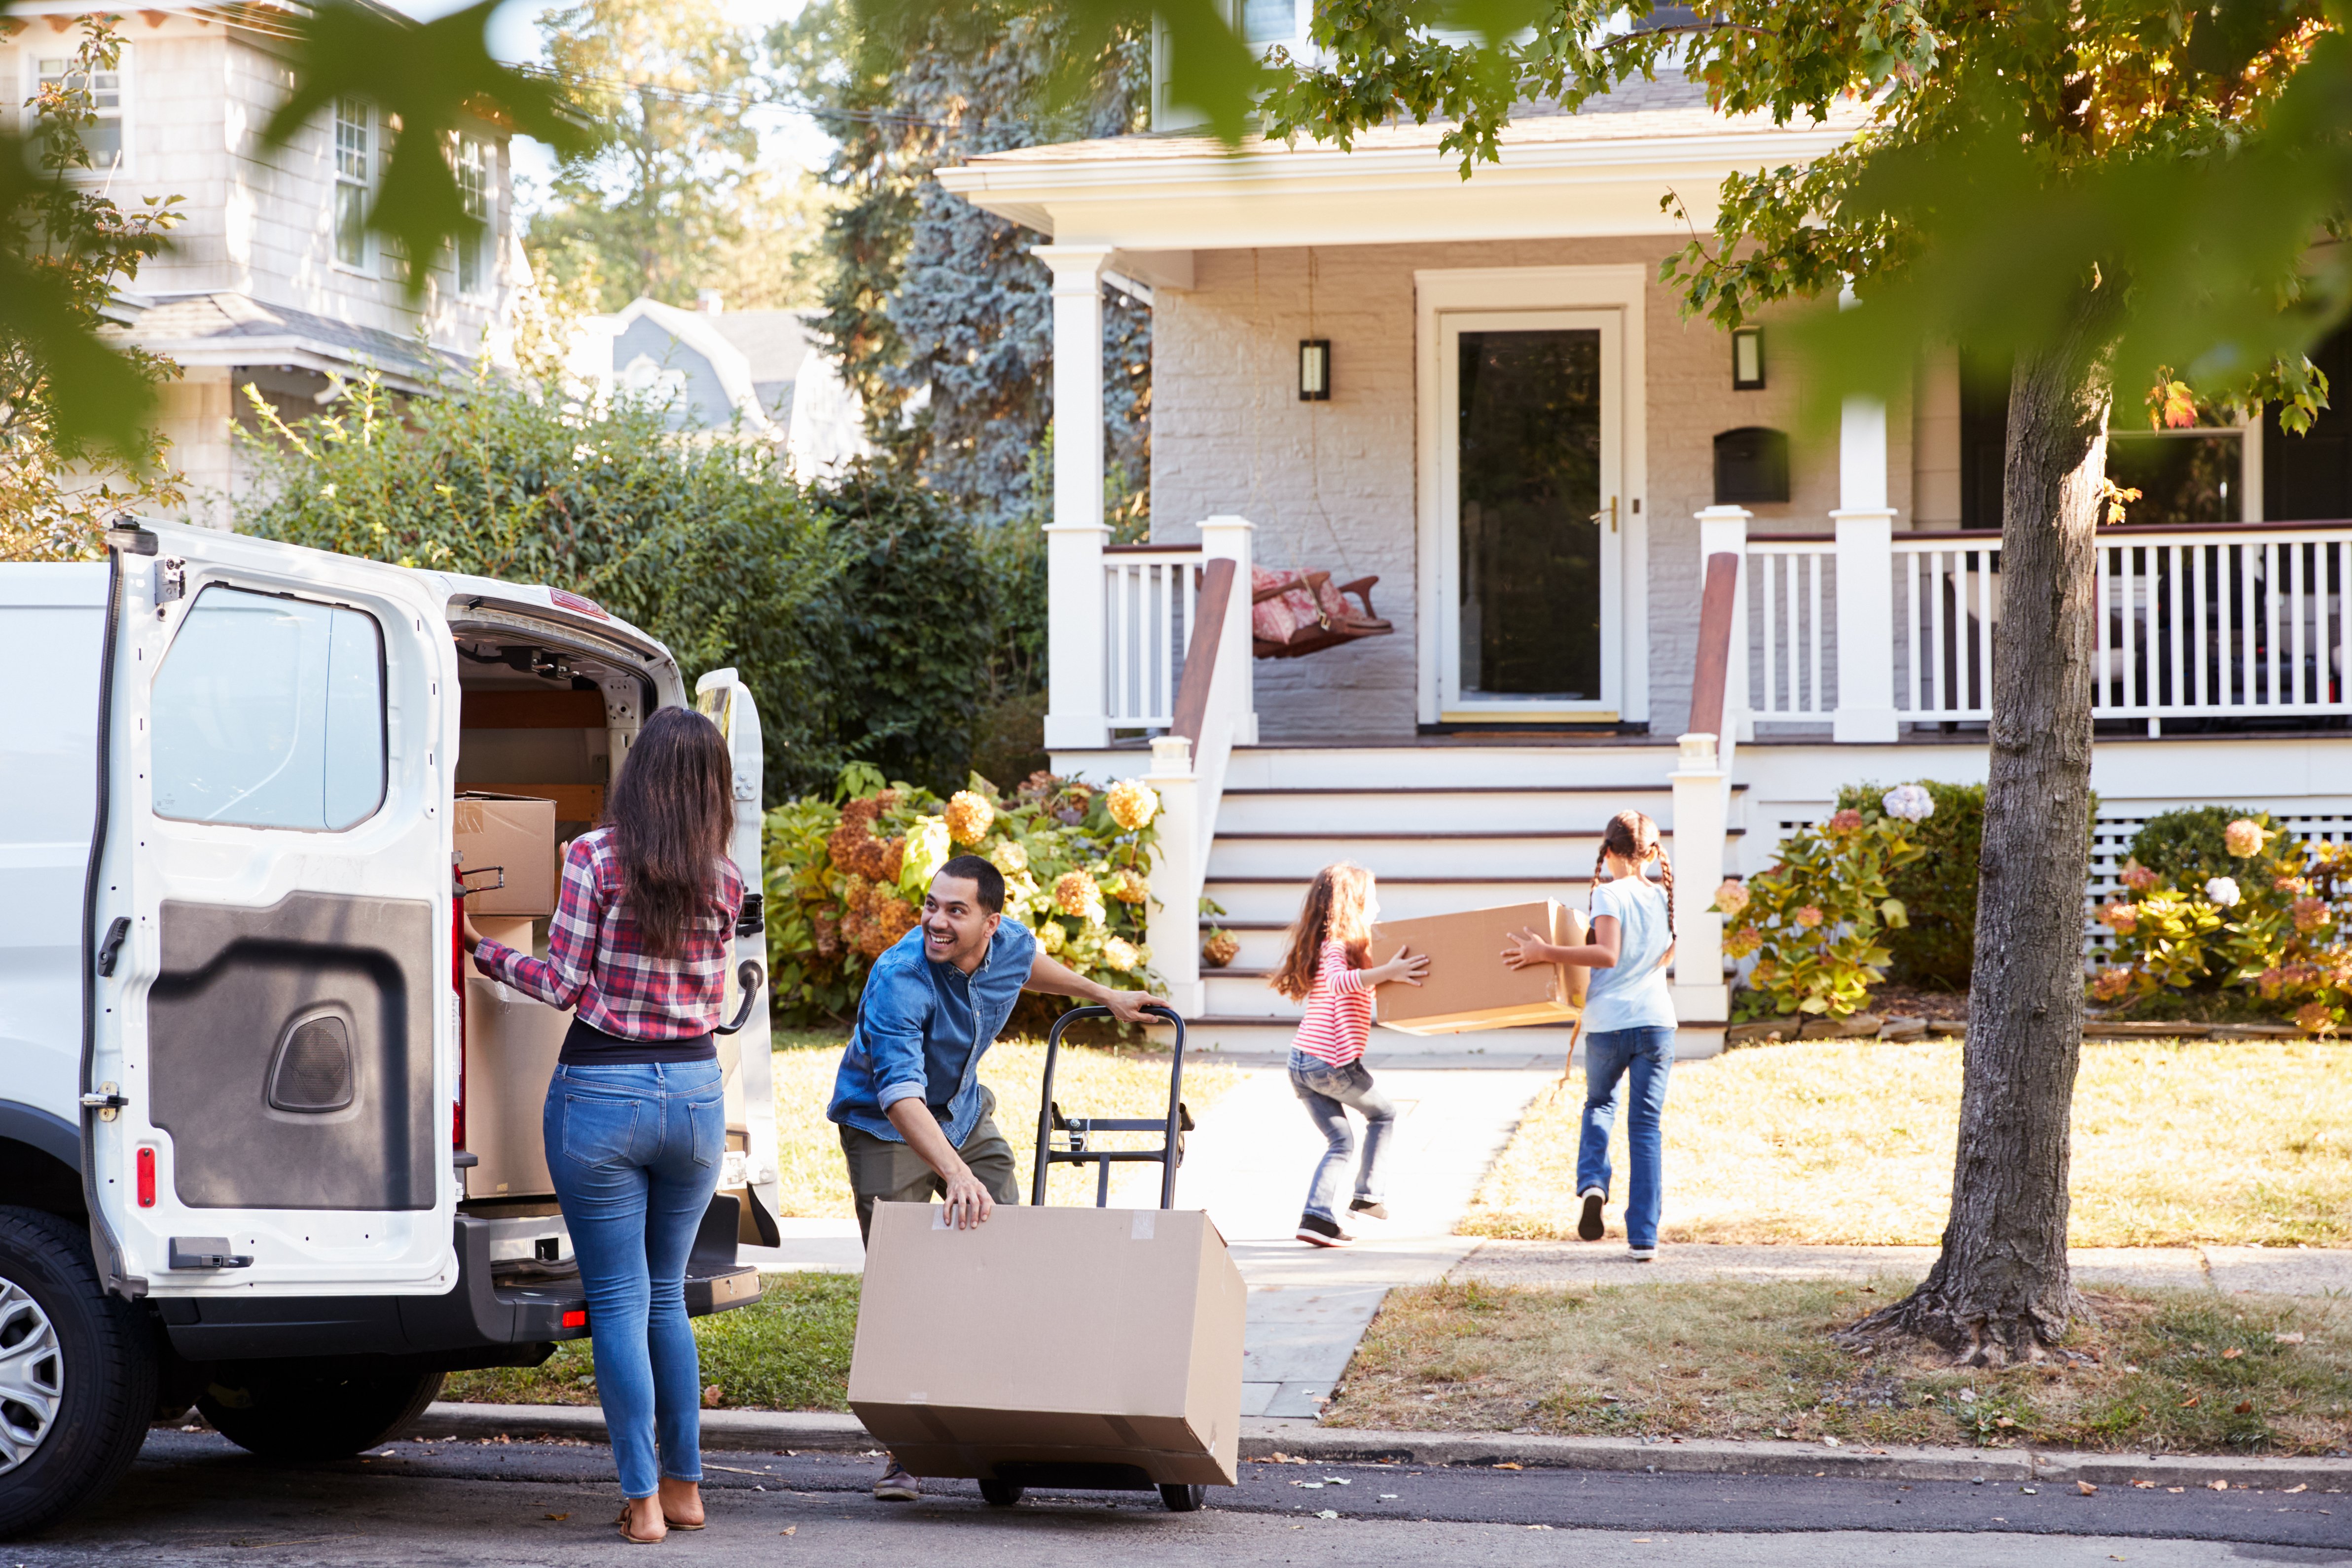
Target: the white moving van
(236, 1165)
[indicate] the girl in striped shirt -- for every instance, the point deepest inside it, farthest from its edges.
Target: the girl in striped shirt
(1325, 969)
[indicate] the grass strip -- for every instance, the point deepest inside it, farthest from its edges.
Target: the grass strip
(2244, 1143)
(787, 1351)
(2186, 1371)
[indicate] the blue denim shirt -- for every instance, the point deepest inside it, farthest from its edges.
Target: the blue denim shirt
(899, 1025)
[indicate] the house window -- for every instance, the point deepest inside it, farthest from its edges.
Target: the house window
(354, 174)
(1270, 21)
(103, 140)
(2191, 476)
(474, 241)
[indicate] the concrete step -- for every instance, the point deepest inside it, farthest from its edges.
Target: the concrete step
(1445, 762)
(1468, 854)
(1480, 808)
(1276, 899)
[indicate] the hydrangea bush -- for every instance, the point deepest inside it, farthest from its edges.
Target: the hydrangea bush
(845, 877)
(2275, 922)
(1816, 921)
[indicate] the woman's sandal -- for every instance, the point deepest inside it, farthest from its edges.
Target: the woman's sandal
(636, 1540)
(679, 1524)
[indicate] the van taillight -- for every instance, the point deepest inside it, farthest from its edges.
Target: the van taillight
(146, 1179)
(575, 1318)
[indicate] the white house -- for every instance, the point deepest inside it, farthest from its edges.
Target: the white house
(1480, 391)
(272, 283)
(761, 374)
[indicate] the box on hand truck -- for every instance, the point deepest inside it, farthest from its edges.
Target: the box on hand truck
(1095, 1349)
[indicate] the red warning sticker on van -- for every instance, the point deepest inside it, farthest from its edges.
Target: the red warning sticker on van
(573, 601)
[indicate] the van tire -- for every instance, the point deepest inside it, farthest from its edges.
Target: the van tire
(106, 1351)
(314, 1407)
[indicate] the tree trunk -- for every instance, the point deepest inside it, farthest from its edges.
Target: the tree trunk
(2001, 1289)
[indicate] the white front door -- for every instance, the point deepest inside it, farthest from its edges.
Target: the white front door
(1531, 516)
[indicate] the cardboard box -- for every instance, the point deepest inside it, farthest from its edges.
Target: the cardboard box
(511, 1044)
(1468, 986)
(1051, 1338)
(516, 833)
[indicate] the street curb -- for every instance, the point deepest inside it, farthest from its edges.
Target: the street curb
(774, 1430)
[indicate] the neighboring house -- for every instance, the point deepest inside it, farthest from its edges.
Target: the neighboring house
(757, 372)
(1514, 426)
(272, 283)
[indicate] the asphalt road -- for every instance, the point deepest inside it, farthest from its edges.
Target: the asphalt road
(193, 1497)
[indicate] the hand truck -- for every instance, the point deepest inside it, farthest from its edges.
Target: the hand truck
(1070, 1140)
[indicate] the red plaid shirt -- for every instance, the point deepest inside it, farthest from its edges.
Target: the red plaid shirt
(597, 963)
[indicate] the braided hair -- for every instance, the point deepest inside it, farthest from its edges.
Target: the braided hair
(1632, 836)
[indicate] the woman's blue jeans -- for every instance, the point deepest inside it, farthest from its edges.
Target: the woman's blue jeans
(635, 1152)
(1329, 1093)
(1645, 1056)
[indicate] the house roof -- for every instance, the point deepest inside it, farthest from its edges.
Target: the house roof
(1600, 171)
(228, 329)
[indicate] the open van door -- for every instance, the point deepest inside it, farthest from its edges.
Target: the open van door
(751, 1170)
(270, 1060)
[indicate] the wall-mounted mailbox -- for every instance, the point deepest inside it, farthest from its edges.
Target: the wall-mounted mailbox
(1751, 463)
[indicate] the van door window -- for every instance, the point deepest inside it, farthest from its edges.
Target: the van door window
(270, 713)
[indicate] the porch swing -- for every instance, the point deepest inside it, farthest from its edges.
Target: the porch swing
(1295, 613)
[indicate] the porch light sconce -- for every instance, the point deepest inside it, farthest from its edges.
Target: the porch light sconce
(1315, 369)
(1748, 359)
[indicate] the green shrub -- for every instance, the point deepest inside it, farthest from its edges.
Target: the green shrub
(1816, 919)
(2188, 846)
(1938, 946)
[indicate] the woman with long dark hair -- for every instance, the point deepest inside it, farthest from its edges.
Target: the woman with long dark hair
(635, 1118)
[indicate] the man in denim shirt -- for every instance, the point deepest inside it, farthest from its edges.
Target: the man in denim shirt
(915, 1118)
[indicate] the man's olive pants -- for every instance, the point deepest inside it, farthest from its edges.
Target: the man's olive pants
(888, 1171)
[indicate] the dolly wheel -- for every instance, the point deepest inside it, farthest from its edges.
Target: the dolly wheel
(1183, 1499)
(1004, 1494)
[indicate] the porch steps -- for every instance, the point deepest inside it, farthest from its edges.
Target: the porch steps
(1444, 827)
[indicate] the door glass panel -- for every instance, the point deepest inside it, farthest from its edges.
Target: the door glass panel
(1530, 447)
(268, 712)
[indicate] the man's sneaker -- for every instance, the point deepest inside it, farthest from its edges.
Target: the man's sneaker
(1589, 1224)
(1369, 1208)
(896, 1485)
(1642, 1254)
(1318, 1231)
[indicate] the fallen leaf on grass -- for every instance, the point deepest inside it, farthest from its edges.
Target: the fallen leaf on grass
(2086, 1488)
(2242, 1408)
(2232, 1354)
(2191, 1401)
(2296, 1338)
(713, 1397)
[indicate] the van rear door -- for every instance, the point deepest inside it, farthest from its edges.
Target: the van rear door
(274, 1051)
(750, 1171)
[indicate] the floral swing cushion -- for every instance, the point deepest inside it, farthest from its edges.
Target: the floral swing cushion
(1280, 617)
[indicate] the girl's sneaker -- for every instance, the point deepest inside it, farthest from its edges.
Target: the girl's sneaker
(1318, 1231)
(1642, 1254)
(1588, 1227)
(1367, 1208)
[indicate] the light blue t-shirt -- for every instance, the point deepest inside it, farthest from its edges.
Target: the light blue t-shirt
(1633, 993)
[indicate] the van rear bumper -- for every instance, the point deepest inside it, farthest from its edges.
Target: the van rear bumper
(483, 1322)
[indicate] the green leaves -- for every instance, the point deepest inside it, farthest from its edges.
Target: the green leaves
(1817, 917)
(429, 80)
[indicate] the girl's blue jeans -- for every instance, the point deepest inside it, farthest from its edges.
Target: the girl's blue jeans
(1643, 1055)
(1329, 1093)
(634, 1153)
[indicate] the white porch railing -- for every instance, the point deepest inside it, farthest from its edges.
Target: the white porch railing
(1151, 595)
(2221, 622)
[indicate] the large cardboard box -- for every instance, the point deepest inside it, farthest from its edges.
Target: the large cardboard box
(1052, 1338)
(515, 833)
(511, 1044)
(1468, 986)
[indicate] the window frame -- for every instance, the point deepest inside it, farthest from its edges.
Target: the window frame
(382, 709)
(363, 186)
(120, 116)
(479, 196)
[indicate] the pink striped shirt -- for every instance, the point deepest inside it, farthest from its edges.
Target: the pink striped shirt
(1339, 1020)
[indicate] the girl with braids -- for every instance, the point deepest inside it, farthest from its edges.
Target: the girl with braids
(1325, 969)
(1629, 1021)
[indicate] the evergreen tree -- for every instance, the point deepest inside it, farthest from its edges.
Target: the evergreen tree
(943, 317)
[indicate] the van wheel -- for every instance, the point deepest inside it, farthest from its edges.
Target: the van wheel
(77, 1374)
(1180, 1499)
(313, 1408)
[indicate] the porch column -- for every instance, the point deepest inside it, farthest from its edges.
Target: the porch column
(1701, 994)
(1172, 924)
(1228, 537)
(1865, 579)
(1078, 713)
(1723, 531)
